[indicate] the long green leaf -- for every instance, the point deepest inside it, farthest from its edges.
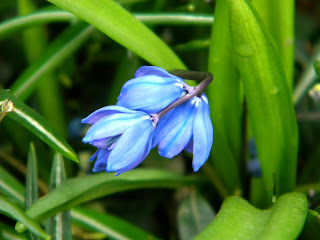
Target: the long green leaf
(224, 96)
(238, 220)
(16, 213)
(278, 17)
(194, 215)
(11, 187)
(70, 40)
(31, 178)
(59, 226)
(28, 118)
(45, 16)
(81, 189)
(124, 28)
(269, 101)
(112, 226)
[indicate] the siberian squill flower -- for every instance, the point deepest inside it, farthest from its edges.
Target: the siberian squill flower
(123, 138)
(151, 90)
(155, 108)
(188, 126)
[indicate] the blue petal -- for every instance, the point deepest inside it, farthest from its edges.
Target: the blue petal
(202, 134)
(104, 142)
(113, 125)
(105, 111)
(150, 94)
(152, 70)
(179, 136)
(132, 148)
(169, 121)
(101, 162)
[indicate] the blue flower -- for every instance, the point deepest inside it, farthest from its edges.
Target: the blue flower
(123, 138)
(188, 127)
(151, 90)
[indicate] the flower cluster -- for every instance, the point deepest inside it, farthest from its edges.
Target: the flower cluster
(124, 134)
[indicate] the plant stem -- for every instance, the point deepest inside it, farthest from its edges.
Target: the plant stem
(198, 90)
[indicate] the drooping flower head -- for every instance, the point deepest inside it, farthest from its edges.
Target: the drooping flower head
(122, 136)
(154, 109)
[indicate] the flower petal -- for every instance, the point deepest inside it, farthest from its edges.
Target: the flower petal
(169, 121)
(179, 136)
(101, 162)
(113, 125)
(150, 94)
(202, 134)
(104, 142)
(105, 111)
(132, 148)
(152, 70)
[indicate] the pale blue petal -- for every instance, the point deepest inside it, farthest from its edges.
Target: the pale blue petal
(132, 147)
(202, 134)
(152, 70)
(149, 81)
(179, 136)
(169, 121)
(150, 96)
(101, 162)
(105, 111)
(113, 125)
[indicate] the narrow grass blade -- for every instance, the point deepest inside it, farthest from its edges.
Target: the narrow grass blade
(268, 96)
(110, 225)
(13, 211)
(11, 187)
(225, 98)
(65, 45)
(31, 178)
(130, 33)
(44, 16)
(82, 189)
(13, 108)
(237, 219)
(59, 226)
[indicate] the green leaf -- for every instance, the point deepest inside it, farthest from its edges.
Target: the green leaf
(278, 16)
(59, 226)
(16, 213)
(44, 16)
(194, 215)
(31, 178)
(237, 219)
(316, 66)
(112, 226)
(267, 93)
(62, 47)
(124, 28)
(28, 118)
(11, 187)
(225, 100)
(8, 233)
(81, 189)
(311, 228)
